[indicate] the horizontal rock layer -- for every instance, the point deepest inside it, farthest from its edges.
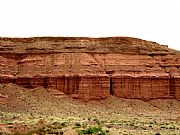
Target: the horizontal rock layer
(92, 68)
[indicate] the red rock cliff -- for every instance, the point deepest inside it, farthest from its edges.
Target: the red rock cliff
(92, 68)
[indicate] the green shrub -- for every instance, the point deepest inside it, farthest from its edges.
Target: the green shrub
(92, 130)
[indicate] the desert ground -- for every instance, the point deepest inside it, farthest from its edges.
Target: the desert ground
(39, 112)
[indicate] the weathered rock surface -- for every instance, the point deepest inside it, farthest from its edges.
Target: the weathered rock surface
(92, 68)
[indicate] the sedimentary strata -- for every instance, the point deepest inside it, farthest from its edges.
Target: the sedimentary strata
(92, 68)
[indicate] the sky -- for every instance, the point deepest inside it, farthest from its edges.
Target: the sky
(154, 20)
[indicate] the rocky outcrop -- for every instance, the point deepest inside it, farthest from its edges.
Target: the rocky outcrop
(92, 68)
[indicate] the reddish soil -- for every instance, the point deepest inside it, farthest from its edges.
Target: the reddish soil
(28, 109)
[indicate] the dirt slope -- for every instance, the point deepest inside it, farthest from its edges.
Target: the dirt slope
(19, 105)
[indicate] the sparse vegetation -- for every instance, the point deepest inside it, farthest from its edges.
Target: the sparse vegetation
(36, 112)
(92, 130)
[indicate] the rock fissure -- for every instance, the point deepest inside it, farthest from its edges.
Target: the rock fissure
(111, 87)
(171, 87)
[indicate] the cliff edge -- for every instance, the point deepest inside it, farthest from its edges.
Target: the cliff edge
(92, 68)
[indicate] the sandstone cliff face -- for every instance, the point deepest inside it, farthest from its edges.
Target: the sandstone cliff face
(92, 68)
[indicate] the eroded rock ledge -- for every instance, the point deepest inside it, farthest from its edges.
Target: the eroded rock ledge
(92, 68)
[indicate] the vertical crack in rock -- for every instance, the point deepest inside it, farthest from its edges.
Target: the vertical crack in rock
(45, 83)
(109, 73)
(78, 81)
(111, 86)
(68, 84)
(172, 91)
